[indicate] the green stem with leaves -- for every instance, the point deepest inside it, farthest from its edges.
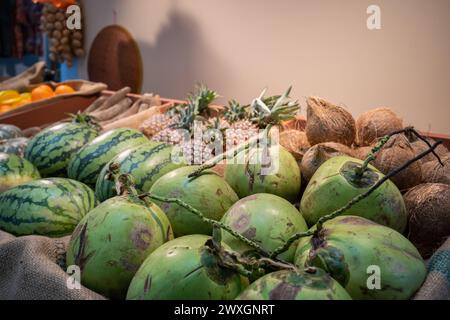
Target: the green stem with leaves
(351, 203)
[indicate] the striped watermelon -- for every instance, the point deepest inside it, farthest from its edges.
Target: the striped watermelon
(145, 163)
(86, 165)
(8, 131)
(51, 207)
(15, 170)
(14, 146)
(51, 149)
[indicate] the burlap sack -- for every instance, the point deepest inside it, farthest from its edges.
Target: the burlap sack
(33, 75)
(32, 268)
(437, 283)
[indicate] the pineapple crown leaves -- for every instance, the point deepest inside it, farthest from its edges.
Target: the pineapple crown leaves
(197, 104)
(235, 112)
(201, 98)
(273, 110)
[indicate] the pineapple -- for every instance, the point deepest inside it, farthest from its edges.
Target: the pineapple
(160, 127)
(245, 121)
(241, 128)
(158, 123)
(190, 122)
(273, 110)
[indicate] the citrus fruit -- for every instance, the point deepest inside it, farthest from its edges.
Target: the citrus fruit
(42, 92)
(63, 89)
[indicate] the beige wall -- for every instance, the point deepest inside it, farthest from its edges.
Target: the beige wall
(321, 47)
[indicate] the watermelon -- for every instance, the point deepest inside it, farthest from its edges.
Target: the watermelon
(15, 170)
(145, 163)
(87, 163)
(8, 131)
(52, 207)
(14, 146)
(51, 149)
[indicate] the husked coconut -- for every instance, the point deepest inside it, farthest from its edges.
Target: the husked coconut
(428, 207)
(434, 172)
(295, 142)
(419, 146)
(327, 122)
(375, 124)
(320, 153)
(395, 153)
(362, 152)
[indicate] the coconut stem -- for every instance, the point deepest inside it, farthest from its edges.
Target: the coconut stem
(372, 154)
(364, 195)
(214, 223)
(289, 242)
(229, 154)
(124, 182)
(355, 200)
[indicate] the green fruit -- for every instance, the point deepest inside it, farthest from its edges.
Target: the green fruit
(8, 131)
(111, 242)
(146, 163)
(184, 269)
(87, 163)
(311, 284)
(51, 149)
(249, 173)
(335, 183)
(350, 247)
(15, 170)
(208, 193)
(14, 146)
(267, 220)
(51, 207)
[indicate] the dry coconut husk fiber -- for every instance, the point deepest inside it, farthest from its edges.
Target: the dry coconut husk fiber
(394, 153)
(318, 154)
(420, 146)
(295, 142)
(376, 123)
(434, 171)
(428, 207)
(327, 122)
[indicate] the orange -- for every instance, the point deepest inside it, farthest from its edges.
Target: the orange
(42, 92)
(4, 108)
(63, 89)
(21, 103)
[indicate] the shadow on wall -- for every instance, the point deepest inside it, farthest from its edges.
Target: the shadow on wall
(177, 48)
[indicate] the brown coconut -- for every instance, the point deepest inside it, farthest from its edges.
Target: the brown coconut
(362, 152)
(428, 207)
(328, 123)
(419, 146)
(295, 142)
(434, 172)
(320, 153)
(375, 124)
(395, 153)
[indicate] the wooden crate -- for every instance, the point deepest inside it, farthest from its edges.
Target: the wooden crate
(57, 111)
(48, 113)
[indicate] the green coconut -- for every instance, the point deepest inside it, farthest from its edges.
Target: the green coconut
(266, 219)
(184, 269)
(111, 242)
(369, 260)
(335, 183)
(310, 284)
(264, 170)
(209, 193)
